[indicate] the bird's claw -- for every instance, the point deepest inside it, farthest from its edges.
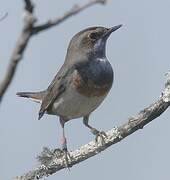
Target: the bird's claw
(63, 153)
(100, 135)
(67, 157)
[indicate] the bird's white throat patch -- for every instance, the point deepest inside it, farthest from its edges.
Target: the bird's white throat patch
(102, 59)
(100, 45)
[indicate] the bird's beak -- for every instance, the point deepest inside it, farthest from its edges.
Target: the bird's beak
(110, 30)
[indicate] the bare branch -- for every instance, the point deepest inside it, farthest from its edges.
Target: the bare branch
(53, 161)
(19, 48)
(73, 11)
(30, 29)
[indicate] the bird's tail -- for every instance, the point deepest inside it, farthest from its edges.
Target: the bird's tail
(35, 96)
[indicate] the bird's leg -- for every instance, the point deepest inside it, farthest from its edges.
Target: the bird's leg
(63, 139)
(64, 142)
(98, 134)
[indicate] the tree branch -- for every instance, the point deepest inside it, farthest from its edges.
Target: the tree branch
(29, 29)
(73, 11)
(20, 46)
(53, 161)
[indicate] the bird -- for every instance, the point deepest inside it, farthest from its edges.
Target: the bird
(82, 83)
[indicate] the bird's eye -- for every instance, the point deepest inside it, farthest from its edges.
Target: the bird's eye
(94, 35)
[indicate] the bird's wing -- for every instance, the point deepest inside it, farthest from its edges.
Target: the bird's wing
(55, 89)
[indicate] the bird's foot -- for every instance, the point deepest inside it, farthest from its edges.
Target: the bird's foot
(100, 135)
(58, 152)
(67, 157)
(63, 152)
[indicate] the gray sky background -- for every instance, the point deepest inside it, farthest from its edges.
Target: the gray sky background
(139, 53)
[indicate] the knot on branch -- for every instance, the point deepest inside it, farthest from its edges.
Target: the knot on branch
(28, 15)
(28, 18)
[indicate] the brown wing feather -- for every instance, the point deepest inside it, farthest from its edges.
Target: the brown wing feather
(55, 89)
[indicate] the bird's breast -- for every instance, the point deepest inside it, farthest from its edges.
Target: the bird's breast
(93, 78)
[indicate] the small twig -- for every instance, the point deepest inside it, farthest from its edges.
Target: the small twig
(53, 161)
(3, 16)
(30, 29)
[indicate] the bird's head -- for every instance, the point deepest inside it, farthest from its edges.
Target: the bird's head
(90, 41)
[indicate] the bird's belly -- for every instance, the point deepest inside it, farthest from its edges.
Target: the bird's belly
(74, 105)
